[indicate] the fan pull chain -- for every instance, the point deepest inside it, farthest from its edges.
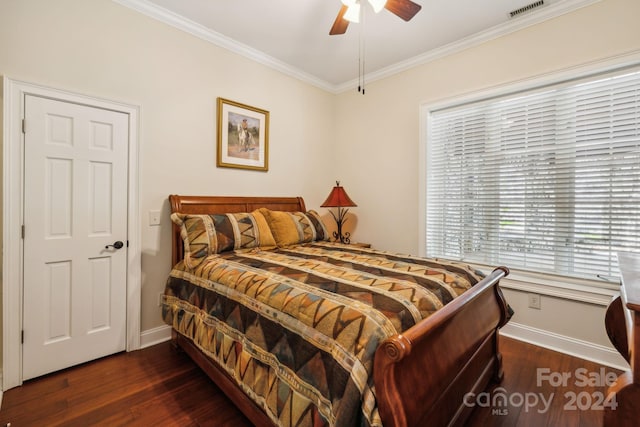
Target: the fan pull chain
(359, 63)
(361, 53)
(363, 61)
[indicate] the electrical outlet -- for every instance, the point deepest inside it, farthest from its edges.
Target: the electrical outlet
(160, 299)
(534, 301)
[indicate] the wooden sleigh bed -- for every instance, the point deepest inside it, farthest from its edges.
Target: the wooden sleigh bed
(422, 375)
(622, 323)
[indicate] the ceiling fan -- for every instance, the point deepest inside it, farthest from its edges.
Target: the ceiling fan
(350, 12)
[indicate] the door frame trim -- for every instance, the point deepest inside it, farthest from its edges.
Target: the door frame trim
(13, 93)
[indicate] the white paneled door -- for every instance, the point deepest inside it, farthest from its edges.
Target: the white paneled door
(75, 234)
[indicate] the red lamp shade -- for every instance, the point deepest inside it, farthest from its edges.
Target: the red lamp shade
(338, 198)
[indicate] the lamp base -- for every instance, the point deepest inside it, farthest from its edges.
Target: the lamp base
(342, 238)
(340, 220)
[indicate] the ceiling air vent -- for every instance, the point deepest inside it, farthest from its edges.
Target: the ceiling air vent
(526, 8)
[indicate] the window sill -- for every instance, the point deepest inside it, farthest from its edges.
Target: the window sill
(588, 291)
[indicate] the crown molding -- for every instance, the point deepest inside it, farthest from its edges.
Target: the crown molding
(516, 24)
(523, 21)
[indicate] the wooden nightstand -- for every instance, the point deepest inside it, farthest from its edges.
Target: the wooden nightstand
(361, 245)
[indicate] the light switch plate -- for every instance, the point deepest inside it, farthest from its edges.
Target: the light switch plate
(154, 217)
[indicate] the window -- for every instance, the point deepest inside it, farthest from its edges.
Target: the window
(546, 180)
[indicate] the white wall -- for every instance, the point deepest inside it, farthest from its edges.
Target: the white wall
(103, 49)
(379, 140)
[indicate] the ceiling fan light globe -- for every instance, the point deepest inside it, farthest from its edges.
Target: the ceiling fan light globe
(348, 2)
(353, 13)
(377, 5)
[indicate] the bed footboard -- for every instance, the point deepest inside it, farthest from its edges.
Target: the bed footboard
(443, 358)
(622, 323)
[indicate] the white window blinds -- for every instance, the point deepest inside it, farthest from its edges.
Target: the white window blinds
(547, 180)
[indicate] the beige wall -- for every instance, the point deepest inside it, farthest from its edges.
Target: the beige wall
(379, 141)
(378, 133)
(102, 49)
(1, 205)
(370, 142)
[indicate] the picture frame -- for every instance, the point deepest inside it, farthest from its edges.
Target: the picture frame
(243, 136)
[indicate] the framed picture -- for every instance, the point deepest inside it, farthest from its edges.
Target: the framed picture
(243, 136)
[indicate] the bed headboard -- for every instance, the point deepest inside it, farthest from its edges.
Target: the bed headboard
(224, 204)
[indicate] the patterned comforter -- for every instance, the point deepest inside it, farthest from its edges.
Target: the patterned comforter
(297, 327)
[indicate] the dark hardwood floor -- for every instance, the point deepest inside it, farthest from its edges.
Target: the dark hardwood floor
(533, 374)
(159, 386)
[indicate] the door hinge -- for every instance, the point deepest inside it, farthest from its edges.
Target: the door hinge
(22, 231)
(22, 337)
(127, 243)
(24, 126)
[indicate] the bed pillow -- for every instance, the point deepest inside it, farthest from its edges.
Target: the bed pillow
(205, 235)
(290, 228)
(267, 241)
(321, 231)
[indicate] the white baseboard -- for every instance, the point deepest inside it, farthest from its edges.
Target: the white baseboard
(585, 350)
(155, 336)
(597, 353)
(603, 355)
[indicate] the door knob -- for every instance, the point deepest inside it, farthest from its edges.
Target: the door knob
(117, 245)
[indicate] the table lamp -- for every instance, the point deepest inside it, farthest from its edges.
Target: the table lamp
(338, 198)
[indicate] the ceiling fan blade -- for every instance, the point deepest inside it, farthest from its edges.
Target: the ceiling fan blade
(340, 24)
(405, 9)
